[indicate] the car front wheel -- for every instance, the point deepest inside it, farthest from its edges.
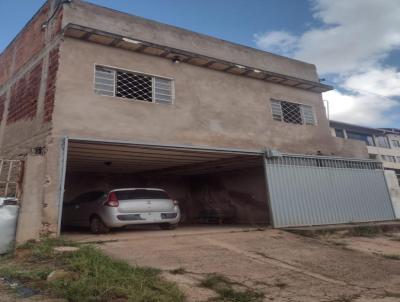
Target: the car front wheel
(97, 226)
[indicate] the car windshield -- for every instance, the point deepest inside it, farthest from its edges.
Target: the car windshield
(141, 194)
(87, 197)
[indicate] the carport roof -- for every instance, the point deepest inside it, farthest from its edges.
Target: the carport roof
(128, 157)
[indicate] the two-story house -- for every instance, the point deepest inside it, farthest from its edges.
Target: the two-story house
(91, 97)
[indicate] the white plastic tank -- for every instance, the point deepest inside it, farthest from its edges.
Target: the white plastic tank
(8, 223)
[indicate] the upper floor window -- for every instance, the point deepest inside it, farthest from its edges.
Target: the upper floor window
(292, 113)
(389, 158)
(339, 132)
(396, 143)
(382, 141)
(132, 85)
(368, 139)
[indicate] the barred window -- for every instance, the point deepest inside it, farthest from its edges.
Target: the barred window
(292, 113)
(396, 143)
(131, 85)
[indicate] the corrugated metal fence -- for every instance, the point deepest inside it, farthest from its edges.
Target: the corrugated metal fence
(315, 190)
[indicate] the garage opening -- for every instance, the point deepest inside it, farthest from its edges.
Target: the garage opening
(211, 186)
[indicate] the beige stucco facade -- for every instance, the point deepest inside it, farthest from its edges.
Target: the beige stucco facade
(211, 108)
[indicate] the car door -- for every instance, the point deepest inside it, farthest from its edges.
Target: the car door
(87, 206)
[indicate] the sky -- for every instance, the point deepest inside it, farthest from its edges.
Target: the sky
(355, 44)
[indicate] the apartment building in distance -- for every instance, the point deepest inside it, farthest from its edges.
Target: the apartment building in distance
(383, 144)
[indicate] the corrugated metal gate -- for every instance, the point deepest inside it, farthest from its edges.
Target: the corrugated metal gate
(316, 190)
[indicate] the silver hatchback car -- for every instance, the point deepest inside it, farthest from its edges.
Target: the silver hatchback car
(121, 207)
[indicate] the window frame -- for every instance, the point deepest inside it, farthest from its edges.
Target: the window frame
(395, 143)
(272, 100)
(153, 76)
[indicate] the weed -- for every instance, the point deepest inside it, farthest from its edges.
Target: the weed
(232, 295)
(226, 291)
(25, 274)
(178, 271)
(391, 256)
(100, 277)
(213, 281)
(280, 284)
(365, 231)
(44, 250)
(345, 298)
(392, 294)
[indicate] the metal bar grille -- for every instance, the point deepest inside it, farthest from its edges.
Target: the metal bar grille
(132, 85)
(324, 162)
(293, 113)
(104, 81)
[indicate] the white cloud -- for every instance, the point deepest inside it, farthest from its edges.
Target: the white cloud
(350, 44)
(385, 82)
(277, 41)
(356, 34)
(360, 108)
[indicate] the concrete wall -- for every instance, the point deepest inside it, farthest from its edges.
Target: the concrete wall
(394, 189)
(211, 108)
(89, 15)
(240, 194)
(349, 148)
(30, 214)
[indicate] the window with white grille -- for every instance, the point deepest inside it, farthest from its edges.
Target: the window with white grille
(132, 85)
(292, 113)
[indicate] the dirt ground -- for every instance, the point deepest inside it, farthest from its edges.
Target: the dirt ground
(285, 266)
(7, 295)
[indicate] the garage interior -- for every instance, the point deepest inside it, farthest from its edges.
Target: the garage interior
(212, 186)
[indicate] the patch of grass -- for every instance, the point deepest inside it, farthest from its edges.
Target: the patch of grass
(312, 233)
(213, 281)
(24, 274)
(365, 231)
(227, 290)
(178, 271)
(280, 284)
(346, 298)
(339, 243)
(391, 256)
(99, 277)
(44, 250)
(104, 279)
(392, 294)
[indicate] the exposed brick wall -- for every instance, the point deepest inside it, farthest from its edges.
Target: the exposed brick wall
(24, 96)
(2, 106)
(57, 27)
(29, 42)
(51, 85)
(5, 65)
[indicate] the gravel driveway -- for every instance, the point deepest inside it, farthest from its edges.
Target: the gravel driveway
(285, 266)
